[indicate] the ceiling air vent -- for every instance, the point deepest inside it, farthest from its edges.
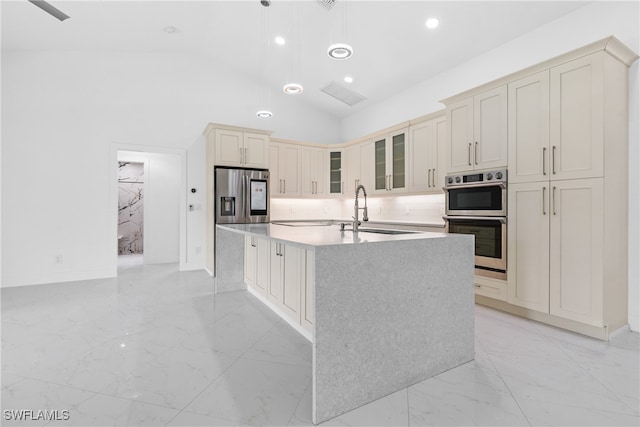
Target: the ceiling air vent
(328, 4)
(343, 94)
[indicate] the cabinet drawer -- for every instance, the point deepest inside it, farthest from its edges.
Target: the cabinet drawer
(492, 288)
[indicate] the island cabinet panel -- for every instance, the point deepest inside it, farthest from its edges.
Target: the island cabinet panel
(425, 153)
(250, 261)
(256, 264)
(287, 275)
(477, 129)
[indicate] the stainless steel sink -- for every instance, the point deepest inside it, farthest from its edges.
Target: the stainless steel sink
(303, 223)
(384, 231)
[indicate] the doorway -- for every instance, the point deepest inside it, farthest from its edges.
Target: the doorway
(149, 222)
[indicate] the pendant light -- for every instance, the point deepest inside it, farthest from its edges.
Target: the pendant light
(342, 50)
(264, 113)
(291, 87)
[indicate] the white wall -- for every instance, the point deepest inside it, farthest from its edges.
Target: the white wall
(593, 22)
(196, 221)
(61, 114)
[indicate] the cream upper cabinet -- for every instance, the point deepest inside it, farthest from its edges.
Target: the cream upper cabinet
(529, 128)
(238, 148)
(577, 103)
(477, 128)
(352, 168)
(528, 245)
(336, 172)
(390, 162)
(367, 163)
(313, 172)
(576, 251)
(285, 170)
(425, 153)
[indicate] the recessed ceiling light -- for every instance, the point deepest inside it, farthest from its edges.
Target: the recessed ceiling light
(348, 79)
(340, 51)
(280, 40)
(432, 23)
(170, 30)
(292, 89)
(263, 114)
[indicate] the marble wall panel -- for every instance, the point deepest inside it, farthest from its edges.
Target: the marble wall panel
(130, 208)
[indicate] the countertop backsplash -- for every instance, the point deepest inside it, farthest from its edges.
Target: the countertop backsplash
(415, 208)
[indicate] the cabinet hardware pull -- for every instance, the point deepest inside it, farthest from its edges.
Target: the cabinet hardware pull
(469, 154)
(544, 160)
(429, 178)
(284, 186)
(475, 153)
(433, 177)
(544, 190)
(342, 188)
(554, 200)
(553, 159)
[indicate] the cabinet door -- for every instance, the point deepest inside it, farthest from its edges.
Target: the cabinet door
(228, 147)
(336, 174)
(577, 118)
(577, 238)
(256, 150)
(292, 278)
(490, 129)
(320, 171)
(262, 266)
(352, 165)
(529, 128)
(250, 261)
(307, 312)
(307, 178)
(275, 291)
(441, 154)
(528, 245)
(381, 178)
(397, 160)
(367, 163)
(289, 168)
(275, 182)
(425, 168)
(460, 129)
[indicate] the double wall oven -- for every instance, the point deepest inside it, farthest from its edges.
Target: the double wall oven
(477, 204)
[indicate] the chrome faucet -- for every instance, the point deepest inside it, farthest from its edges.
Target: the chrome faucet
(356, 208)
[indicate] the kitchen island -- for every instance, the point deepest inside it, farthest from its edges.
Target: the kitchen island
(389, 310)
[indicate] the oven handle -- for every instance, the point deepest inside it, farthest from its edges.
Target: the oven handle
(502, 219)
(502, 185)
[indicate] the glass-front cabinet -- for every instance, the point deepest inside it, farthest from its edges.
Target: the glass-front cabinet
(391, 162)
(336, 181)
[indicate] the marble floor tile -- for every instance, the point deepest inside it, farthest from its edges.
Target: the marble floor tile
(35, 395)
(471, 394)
(156, 347)
(254, 392)
(102, 410)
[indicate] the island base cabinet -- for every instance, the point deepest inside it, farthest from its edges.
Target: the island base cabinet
(286, 276)
(256, 264)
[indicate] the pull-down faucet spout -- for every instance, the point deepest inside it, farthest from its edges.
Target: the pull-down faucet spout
(356, 208)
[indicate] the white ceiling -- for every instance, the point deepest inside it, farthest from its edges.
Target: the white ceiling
(393, 48)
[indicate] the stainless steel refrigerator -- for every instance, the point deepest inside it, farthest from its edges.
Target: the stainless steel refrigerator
(241, 195)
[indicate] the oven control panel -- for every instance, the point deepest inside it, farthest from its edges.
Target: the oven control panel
(495, 176)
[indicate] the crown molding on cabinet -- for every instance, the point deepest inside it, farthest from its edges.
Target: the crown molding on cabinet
(211, 126)
(611, 45)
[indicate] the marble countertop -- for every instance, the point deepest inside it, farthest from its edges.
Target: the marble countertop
(327, 235)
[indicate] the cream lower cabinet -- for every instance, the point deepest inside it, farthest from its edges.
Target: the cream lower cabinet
(286, 276)
(555, 248)
(256, 264)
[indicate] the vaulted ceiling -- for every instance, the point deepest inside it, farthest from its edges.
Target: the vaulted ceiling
(393, 49)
